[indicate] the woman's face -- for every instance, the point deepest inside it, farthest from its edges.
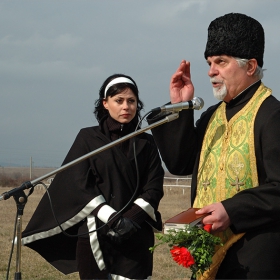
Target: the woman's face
(122, 106)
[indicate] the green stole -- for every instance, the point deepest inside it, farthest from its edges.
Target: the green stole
(227, 163)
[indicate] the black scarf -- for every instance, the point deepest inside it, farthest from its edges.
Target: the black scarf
(115, 130)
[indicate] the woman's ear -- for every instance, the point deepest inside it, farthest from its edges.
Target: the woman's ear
(252, 66)
(105, 104)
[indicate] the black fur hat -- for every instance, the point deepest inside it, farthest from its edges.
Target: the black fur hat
(236, 35)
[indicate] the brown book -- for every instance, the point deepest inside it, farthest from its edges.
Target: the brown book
(187, 217)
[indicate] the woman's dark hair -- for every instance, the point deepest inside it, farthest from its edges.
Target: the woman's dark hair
(100, 111)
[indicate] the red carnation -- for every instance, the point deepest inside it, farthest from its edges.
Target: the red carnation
(182, 256)
(207, 227)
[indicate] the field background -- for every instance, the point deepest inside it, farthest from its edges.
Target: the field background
(33, 266)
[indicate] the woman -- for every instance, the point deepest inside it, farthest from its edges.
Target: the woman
(88, 196)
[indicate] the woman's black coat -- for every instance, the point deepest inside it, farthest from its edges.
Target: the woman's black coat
(111, 174)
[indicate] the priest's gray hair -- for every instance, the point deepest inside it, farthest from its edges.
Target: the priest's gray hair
(242, 62)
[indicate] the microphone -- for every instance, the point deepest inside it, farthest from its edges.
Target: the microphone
(196, 103)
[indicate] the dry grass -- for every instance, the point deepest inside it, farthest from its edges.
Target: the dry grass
(33, 266)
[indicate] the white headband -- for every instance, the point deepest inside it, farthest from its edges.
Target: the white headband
(117, 81)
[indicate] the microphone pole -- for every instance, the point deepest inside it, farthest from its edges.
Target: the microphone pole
(21, 198)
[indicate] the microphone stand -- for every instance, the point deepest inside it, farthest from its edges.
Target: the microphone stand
(21, 198)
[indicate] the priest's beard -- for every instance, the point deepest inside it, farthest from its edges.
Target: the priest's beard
(220, 92)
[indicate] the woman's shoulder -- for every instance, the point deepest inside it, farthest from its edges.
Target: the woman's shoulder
(88, 131)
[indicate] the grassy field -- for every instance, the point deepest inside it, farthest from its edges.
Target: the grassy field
(33, 266)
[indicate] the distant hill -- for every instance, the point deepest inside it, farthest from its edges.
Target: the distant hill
(40, 171)
(16, 171)
(5, 164)
(9, 164)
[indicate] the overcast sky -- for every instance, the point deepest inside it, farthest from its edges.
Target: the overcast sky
(54, 56)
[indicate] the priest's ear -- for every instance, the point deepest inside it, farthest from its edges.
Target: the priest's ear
(252, 66)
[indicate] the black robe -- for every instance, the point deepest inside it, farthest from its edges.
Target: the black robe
(255, 211)
(110, 175)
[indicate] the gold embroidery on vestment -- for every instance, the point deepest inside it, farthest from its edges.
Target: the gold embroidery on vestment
(205, 184)
(236, 166)
(237, 184)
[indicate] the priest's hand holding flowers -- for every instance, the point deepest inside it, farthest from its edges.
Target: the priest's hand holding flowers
(191, 247)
